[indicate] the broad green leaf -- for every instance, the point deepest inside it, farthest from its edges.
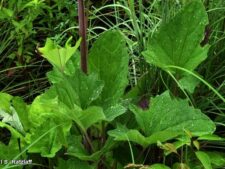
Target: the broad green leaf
(217, 159)
(81, 89)
(172, 115)
(158, 166)
(51, 143)
(109, 59)
(162, 136)
(73, 164)
(42, 108)
(86, 118)
(47, 106)
(177, 43)
(124, 134)
(166, 119)
(45, 113)
(58, 56)
(204, 159)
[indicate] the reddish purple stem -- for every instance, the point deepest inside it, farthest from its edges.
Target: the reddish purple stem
(83, 35)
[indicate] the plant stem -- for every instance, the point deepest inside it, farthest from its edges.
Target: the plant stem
(83, 33)
(89, 147)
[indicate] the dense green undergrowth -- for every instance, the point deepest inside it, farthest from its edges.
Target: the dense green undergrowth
(24, 26)
(103, 119)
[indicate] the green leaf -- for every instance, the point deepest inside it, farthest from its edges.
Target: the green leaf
(211, 137)
(56, 76)
(22, 111)
(58, 56)
(51, 143)
(13, 111)
(172, 115)
(45, 113)
(13, 119)
(85, 118)
(166, 119)
(204, 159)
(47, 105)
(124, 134)
(73, 164)
(81, 89)
(121, 133)
(162, 136)
(113, 111)
(109, 59)
(91, 116)
(217, 159)
(43, 107)
(177, 43)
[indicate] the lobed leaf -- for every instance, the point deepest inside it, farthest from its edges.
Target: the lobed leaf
(58, 56)
(177, 42)
(175, 115)
(166, 119)
(80, 89)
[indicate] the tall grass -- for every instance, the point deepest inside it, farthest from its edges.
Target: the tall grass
(213, 69)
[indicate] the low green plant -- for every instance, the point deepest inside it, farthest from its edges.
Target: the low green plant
(89, 121)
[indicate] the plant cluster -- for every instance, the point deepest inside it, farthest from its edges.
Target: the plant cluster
(95, 120)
